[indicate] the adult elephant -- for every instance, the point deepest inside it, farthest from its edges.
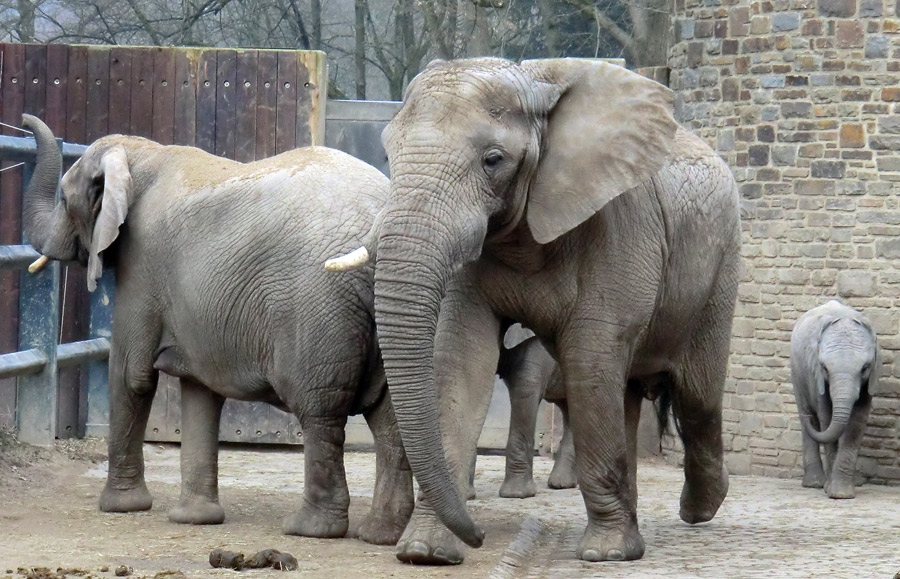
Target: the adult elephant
(561, 194)
(219, 282)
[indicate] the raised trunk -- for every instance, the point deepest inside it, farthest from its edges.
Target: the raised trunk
(410, 275)
(40, 195)
(844, 392)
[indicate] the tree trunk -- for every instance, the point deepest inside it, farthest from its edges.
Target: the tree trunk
(359, 54)
(25, 27)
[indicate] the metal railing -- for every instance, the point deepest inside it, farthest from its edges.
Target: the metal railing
(36, 365)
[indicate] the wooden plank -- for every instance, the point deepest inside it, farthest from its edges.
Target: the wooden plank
(206, 101)
(286, 115)
(120, 90)
(186, 64)
(97, 114)
(35, 79)
(73, 320)
(226, 77)
(311, 91)
(245, 105)
(11, 104)
(76, 95)
(266, 101)
(164, 95)
(141, 92)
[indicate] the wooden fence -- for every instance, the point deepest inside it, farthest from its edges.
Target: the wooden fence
(240, 104)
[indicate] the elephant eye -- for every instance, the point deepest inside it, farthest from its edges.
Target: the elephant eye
(492, 159)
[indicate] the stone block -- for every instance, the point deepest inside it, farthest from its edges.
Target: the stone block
(739, 21)
(877, 47)
(888, 164)
(885, 142)
(870, 8)
(784, 21)
(796, 110)
(890, 94)
(771, 81)
(758, 155)
(738, 463)
(784, 155)
(814, 187)
(828, 169)
(852, 136)
(849, 34)
(837, 8)
(856, 284)
(889, 125)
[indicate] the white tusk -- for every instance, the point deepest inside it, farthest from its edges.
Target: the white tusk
(349, 261)
(38, 264)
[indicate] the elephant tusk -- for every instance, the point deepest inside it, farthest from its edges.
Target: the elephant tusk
(349, 261)
(38, 264)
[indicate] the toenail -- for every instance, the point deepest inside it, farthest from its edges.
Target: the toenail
(615, 555)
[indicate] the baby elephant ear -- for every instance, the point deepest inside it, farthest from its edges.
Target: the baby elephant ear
(113, 167)
(608, 130)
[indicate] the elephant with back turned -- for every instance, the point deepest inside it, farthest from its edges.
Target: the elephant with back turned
(219, 283)
(563, 195)
(834, 367)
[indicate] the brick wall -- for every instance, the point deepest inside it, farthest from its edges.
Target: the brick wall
(802, 99)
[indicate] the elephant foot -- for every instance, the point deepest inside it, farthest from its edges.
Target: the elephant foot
(381, 530)
(315, 522)
(518, 487)
(605, 544)
(813, 478)
(470, 495)
(840, 489)
(197, 511)
(114, 500)
(562, 477)
(700, 501)
(427, 542)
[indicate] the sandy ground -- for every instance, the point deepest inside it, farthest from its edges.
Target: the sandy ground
(766, 527)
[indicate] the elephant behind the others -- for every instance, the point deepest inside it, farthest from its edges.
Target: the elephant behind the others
(834, 367)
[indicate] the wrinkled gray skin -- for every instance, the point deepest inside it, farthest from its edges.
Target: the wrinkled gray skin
(560, 194)
(531, 375)
(219, 282)
(834, 366)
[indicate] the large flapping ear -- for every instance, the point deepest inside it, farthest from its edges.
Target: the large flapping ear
(113, 167)
(608, 130)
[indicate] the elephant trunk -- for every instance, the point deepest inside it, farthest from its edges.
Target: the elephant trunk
(844, 391)
(40, 195)
(411, 272)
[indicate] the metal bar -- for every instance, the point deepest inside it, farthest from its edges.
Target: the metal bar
(16, 149)
(36, 394)
(75, 353)
(22, 363)
(97, 423)
(17, 256)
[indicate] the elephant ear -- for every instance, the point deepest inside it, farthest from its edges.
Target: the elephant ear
(117, 186)
(608, 130)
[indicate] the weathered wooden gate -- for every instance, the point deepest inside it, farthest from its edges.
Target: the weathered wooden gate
(241, 104)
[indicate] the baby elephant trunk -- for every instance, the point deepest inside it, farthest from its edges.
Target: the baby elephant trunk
(844, 390)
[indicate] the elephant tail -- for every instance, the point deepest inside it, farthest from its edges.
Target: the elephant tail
(663, 404)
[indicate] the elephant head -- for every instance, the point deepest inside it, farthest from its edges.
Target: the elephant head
(847, 365)
(96, 193)
(486, 152)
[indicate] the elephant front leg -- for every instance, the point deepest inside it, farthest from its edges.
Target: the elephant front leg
(595, 387)
(813, 472)
(326, 499)
(564, 474)
(525, 391)
(466, 349)
(392, 502)
(841, 483)
(201, 410)
(131, 393)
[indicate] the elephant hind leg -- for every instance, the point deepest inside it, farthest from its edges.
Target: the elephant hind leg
(697, 405)
(564, 475)
(201, 410)
(392, 502)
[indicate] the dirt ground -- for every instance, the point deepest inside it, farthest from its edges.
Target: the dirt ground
(766, 527)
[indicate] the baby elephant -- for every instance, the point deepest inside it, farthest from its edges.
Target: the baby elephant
(834, 365)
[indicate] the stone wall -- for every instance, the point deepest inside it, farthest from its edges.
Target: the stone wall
(802, 99)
